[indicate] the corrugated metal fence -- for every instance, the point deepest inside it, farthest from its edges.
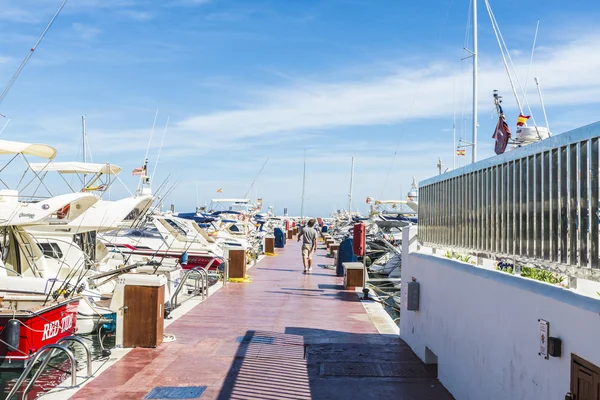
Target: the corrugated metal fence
(537, 203)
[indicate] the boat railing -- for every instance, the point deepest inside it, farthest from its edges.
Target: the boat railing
(51, 349)
(536, 205)
(202, 290)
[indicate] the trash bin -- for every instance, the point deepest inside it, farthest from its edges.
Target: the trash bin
(345, 255)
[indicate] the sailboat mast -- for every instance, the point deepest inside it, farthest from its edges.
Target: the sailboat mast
(475, 56)
(303, 188)
(351, 183)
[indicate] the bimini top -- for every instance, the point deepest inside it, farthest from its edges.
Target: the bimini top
(75, 167)
(35, 149)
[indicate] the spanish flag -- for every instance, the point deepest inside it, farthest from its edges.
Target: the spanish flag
(460, 152)
(522, 119)
(219, 190)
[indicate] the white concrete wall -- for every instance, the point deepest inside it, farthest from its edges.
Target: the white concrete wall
(483, 326)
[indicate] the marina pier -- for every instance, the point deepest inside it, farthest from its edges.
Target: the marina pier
(285, 335)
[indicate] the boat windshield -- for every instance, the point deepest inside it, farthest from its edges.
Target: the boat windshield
(147, 233)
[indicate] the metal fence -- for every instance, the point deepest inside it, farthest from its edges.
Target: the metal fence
(536, 204)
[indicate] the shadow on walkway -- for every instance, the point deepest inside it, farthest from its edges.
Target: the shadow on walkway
(305, 363)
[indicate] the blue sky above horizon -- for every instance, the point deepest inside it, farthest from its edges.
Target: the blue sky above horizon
(244, 81)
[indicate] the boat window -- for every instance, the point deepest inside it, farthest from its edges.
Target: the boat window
(51, 250)
(176, 226)
(234, 228)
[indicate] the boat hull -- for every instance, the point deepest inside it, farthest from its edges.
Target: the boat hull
(44, 326)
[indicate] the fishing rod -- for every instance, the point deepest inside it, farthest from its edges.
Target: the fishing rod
(160, 148)
(39, 40)
(257, 175)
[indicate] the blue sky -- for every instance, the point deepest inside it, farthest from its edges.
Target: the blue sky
(244, 81)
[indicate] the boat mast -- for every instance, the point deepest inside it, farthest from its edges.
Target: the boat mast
(475, 56)
(84, 149)
(303, 188)
(351, 183)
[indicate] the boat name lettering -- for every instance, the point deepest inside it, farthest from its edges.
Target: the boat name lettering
(52, 329)
(27, 215)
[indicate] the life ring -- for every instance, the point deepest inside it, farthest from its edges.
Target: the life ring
(241, 217)
(62, 213)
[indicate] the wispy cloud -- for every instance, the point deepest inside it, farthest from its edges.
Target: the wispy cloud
(137, 15)
(569, 75)
(85, 32)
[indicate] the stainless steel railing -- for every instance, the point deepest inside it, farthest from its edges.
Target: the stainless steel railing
(49, 348)
(536, 204)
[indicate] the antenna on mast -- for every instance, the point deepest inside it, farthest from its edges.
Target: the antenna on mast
(143, 176)
(537, 83)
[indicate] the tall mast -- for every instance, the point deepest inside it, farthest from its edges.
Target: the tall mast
(83, 140)
(303, 188)
(351, 183)
(475, 56)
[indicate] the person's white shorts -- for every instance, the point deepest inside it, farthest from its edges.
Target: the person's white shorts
(307, 251)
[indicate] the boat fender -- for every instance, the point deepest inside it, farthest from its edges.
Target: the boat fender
(184, 258)
(12, 334)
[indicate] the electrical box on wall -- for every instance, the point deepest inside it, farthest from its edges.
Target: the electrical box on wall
(412, 296)
(554, 347)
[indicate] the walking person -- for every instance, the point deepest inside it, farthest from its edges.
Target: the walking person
(309, 244)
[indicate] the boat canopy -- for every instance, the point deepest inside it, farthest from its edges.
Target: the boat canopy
(32, 149)
(74, 167)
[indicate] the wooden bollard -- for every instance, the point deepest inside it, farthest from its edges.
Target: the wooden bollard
(270, 245)
(290, 234)
(353, 275)
(333, 248)
(237, 263)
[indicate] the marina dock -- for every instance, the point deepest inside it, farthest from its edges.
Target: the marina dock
(284, 335)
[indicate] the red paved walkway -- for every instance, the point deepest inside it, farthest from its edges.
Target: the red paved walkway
(303, 338)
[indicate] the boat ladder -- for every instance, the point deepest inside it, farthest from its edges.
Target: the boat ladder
(51, 349)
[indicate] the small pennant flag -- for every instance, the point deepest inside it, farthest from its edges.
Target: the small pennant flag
(461, 152)
(138, 171)
(369, 200)
(219, 190)
(522, 119)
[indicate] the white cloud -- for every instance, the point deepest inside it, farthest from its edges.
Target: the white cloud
(86, 32)
(568, 75)
(137, 15)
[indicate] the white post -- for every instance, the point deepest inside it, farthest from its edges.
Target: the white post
(474, 149)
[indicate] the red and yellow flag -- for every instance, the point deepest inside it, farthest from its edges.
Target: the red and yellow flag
(522, 119)
(461, 152)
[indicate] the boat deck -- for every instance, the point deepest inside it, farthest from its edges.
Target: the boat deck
(285, 335)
